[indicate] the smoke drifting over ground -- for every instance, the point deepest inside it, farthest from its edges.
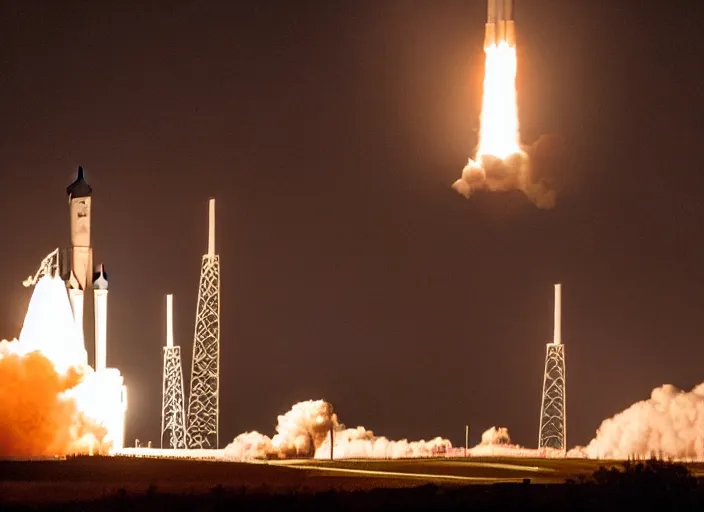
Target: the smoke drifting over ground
(514, 172)
(304, 431)
(39, 377)
(669, 424)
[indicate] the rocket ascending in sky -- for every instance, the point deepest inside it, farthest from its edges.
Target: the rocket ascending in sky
(499, 23)
(500, 161)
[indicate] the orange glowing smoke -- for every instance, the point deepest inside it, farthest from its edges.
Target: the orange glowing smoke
(41, 377)
(36, 419)
(500, 162)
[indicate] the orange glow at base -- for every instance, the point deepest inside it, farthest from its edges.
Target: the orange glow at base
(51, 402)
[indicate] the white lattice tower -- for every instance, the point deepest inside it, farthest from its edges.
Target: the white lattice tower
(553, 425)
(553, 407)
(203, 402)
(173, 420)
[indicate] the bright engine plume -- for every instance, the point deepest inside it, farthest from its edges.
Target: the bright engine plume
(47, 390)
(500, 162)
(304, 431)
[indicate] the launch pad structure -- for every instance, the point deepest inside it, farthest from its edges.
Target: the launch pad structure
(553, 411)
(204, 398)
(173, 421)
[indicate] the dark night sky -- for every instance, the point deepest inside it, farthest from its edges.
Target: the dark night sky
(330, 133)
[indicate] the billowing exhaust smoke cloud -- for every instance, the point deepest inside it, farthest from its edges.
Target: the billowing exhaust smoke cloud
(496, 442)
(304, 431)
(669, 424)
(501, 163)
(41, 378)
(514, 172)
(38, 418)
(496, 435)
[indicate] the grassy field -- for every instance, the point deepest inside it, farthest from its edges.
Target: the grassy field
(462, 471)
(88, 478)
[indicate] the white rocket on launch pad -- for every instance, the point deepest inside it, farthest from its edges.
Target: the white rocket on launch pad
(81, 280)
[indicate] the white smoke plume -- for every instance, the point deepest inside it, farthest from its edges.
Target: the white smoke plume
(359, 443)
(669, 424)
(496, 435)
(304, 431)
(512, 173)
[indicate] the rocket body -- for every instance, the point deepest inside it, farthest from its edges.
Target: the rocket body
(80, 276)
(79, 200)
(88, 291)
(500, 27)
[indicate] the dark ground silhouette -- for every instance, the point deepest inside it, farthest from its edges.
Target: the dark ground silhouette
(649, 485)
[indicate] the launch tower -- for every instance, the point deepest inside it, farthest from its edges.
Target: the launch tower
(553, 407)
(204, 398)
(173, 418)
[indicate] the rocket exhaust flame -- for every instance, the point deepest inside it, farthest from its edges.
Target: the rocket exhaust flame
(500, 162)
(52, 401)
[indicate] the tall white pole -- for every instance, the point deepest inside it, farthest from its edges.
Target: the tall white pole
(557, 338)
(169, 321)
(211, 228)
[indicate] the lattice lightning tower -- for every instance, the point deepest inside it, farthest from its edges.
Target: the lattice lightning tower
(173, 420)
(553, 408)
(203, 403)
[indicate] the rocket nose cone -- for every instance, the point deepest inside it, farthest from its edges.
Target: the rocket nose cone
(100, 278)
(79, 188)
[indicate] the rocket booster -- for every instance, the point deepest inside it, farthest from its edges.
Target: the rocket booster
(500, 26)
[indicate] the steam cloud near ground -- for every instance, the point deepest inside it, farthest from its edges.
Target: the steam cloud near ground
(304, 431)
(669, 424)
(38, 413)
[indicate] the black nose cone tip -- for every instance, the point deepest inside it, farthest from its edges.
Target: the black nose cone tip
(79, 188)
